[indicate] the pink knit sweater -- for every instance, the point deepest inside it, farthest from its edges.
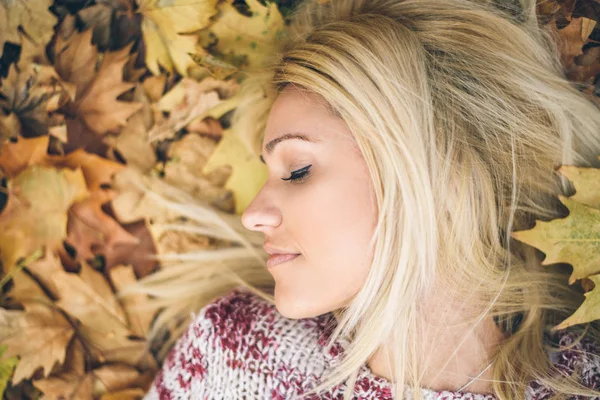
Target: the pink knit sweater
(240, 347)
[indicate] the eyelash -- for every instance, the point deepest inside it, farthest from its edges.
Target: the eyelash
(299, 175)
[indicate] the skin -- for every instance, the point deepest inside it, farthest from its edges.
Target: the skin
(329, 219)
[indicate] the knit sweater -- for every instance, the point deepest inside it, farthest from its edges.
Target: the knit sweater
(240, 347)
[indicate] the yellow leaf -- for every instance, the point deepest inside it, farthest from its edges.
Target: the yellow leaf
(7, 366)
(248, 172)
(39, 336)
(36, 211)
(164, 27)
(250, 38)
(586, 182)
(588, 311)
(574, 240)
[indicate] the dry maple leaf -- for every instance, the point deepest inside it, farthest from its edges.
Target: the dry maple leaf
(137, 307)
(32, 16)
(90, 230)
(132, 142)
(114, 22)
(36, 211)
(241, 40)
(101, 327)
(39, 336)
(97, 86)
(30, 94)
(164, 27)
(66, 386)
(189, 101)
(574, 240)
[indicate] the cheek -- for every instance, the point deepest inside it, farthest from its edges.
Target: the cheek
(332, 225)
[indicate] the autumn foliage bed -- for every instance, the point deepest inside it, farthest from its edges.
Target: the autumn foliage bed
(94, 91)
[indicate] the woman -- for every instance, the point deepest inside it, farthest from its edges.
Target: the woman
(405, 140)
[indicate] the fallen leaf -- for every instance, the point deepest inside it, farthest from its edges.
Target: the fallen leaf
(571, 240)
(26, 289)
(33, 17)
(137, 307)
(133, 142)
(127, 394)
(17, 156)
(29, 223)
(164, 27)
(30, 94)
(187, 101)
(66, 386)
(589, 309)
(39, 336)
(106, 335)
(99, 284)
(99, 107)
(586, 182)
(7, 366)
(187, 158)
(97, 87)
(248, 173)
(115, 377)
(245, 41)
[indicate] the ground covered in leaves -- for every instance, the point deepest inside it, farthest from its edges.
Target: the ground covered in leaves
(92, 90)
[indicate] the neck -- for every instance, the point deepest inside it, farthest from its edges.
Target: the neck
(472, 357)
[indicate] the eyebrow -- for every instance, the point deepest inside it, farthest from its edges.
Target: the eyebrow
(269, 147)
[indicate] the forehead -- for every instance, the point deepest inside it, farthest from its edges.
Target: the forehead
(297, 109)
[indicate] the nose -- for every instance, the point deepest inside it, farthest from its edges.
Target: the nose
(260, 216)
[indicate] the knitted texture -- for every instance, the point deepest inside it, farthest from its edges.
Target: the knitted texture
(240, 347)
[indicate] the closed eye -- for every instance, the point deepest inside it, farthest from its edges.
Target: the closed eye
(299, 175)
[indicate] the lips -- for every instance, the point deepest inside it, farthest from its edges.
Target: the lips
(276, 259)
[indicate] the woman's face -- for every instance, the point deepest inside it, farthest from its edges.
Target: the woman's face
(327, 218)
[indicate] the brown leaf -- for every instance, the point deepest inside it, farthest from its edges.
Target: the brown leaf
(99, 107)
(29, 223)
(187, 159)
(115, 377)
(97, 88)
(140, 255)
(188, 101)
(39, 336)
(98, 171)
(66, 386)
(16, 157)
(43, 269)
(101, 286)
(33, 17)
(155, 86)
(31, 93)
(133, 143)
(127, 394)
(26, 289)
(101, 327)
(137, 307)
(75, 57)
(90, 228)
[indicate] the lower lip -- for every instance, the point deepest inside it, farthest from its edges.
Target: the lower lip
(277, 259)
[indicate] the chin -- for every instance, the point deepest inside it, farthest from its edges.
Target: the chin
(290, 306)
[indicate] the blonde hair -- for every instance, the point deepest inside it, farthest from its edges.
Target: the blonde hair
(463, 113)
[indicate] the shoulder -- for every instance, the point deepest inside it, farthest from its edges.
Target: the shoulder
(241, 338)
(577, 357)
